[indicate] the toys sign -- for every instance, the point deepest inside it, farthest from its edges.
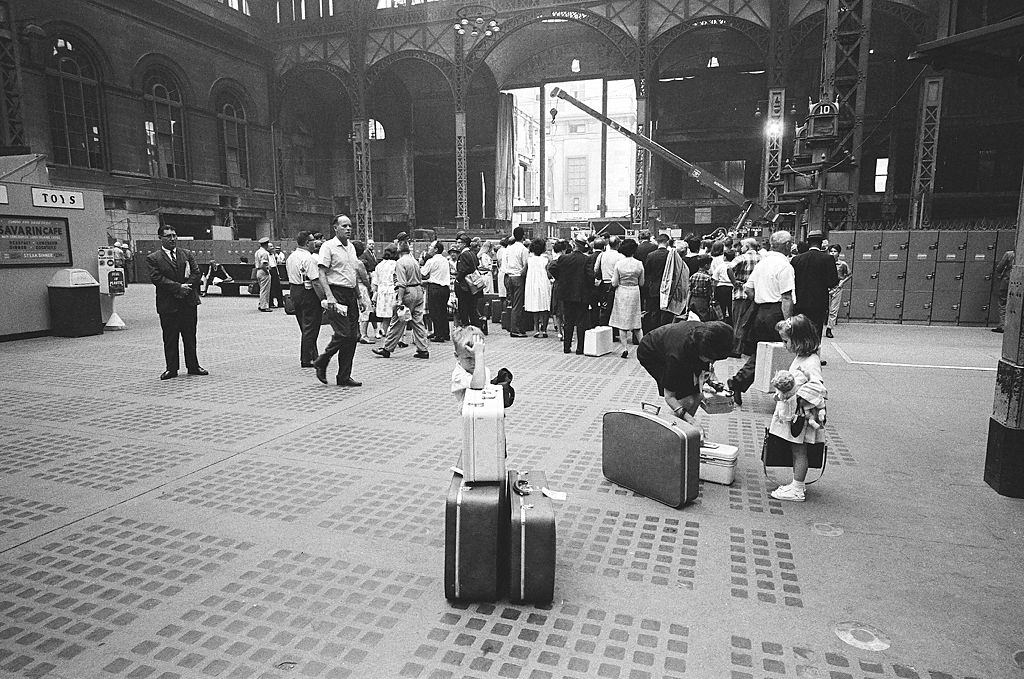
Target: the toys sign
(67, 200)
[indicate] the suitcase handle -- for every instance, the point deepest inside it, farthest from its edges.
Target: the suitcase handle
(650, 406)
(522, 487)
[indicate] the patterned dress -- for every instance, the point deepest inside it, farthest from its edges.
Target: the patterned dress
(627, 278)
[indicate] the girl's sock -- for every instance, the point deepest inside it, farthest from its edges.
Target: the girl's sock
(799, 485)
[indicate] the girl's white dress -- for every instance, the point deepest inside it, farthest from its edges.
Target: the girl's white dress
(811, 365)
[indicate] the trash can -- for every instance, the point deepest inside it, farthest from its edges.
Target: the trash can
(74, 304)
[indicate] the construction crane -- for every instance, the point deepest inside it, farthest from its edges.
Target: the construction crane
(751, 210)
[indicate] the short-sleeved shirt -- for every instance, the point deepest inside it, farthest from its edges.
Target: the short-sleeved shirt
(720, 271)
(771, 278)
(462, 379)
(302, 267)
(673, 348)
(609, 258)
(515, 259)
(261, 257)
(340, 262)
(407, 272)
(743, 264)
(702, 285)
(437, 270)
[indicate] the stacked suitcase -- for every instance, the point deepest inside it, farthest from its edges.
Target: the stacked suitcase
(499, 526)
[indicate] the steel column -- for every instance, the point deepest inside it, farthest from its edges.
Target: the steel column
(363, 180)
(926, 151)
(779, 45)
(12, 124)
(543, 169)
(642, 156)
(844, 75)
(603, 202)
(461, 174)
(774, 132)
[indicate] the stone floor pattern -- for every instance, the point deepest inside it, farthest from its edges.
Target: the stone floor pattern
(256, 524)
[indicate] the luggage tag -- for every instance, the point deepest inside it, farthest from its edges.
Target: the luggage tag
(524, 488)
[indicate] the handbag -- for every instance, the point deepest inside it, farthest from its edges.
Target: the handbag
(474, 282)
(778, 452)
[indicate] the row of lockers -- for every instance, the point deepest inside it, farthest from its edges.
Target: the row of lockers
(923, 276)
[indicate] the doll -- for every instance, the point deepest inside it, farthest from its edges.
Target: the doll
(802, 401)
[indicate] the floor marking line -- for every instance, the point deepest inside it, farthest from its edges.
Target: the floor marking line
(846, 357)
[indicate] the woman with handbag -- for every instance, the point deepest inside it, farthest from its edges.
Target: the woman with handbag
(800, 421)
(382, 288)
(469, 284)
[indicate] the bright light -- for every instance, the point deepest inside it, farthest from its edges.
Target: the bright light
(575, 66)
(773, 129)
(713, 62)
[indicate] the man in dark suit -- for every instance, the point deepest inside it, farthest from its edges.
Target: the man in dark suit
(176, 277)
(575, 287)
(650, 294)
(645, 247)
(815, 274)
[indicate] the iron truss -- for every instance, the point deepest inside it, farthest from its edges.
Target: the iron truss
(925, 153)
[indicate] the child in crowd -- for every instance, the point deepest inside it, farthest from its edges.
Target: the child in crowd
(702, 289)
(470, 371)
(802, 339)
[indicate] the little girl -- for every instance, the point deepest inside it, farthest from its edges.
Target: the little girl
(802, 339)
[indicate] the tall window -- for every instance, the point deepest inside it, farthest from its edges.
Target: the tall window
(375, 130)
(881, 174)
(165, 129)
(576, 182)
(74, 93)
(234, 146)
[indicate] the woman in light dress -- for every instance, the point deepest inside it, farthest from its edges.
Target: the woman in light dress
(627, 278)
(486, 258)
(537, 292)
(383, 287)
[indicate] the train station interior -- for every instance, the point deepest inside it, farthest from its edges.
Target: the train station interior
(254, 522)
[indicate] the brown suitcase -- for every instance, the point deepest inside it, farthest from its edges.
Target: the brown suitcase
(657, 456)
(476, 541)
(531, 539)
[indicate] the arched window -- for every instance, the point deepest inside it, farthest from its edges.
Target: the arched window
(165, 125)
(375, 129)
(234, 147)
(76, 128)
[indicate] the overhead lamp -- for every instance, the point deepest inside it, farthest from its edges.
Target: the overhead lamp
(476, 20)
(773, 129)
(574, 66)
(712, 62)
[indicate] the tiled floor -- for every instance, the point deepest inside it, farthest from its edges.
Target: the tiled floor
(255, 523)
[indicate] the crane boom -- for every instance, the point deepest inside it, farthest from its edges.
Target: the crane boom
(751, 209)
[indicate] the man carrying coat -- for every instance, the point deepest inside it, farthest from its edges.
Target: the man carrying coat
(174, 273)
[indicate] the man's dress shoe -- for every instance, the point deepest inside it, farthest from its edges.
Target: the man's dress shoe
(349, 383)
(168, 374)
(198, 371)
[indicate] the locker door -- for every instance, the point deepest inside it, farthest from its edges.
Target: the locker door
(895, 245)
(981, 247)
(889, 305)
(892, 275)
(1006, 239)
(862, 304)
(976, 298)
(952, 246)
(865, 272)
(845, 239)
(920, 274)
(917, 306)
(948, 286)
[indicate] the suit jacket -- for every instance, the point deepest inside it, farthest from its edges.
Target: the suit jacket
(654, 270)
(575, 278)
(815, 274)
(466, 264)
(643, 249)
(168, 279)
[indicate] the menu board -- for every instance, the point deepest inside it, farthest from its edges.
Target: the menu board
(34, 241)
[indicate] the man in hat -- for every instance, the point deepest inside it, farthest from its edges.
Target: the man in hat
(468, 263)
(262, 259)
(815, 274)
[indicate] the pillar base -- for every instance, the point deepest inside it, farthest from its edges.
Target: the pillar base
(1004, 459)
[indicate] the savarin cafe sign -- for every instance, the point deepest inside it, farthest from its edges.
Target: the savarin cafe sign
(38, 241)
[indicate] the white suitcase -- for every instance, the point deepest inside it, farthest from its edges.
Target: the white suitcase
(718, 462)
(771, 358)
(483, 435)
(597, 341)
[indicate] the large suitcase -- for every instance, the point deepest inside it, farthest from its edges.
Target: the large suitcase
(483, 435)
(718, 462)
(771, 358)
(654, 455)
(506, 319)
(531, 550)
(597, 341)
(476, 541)
(497, 307)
